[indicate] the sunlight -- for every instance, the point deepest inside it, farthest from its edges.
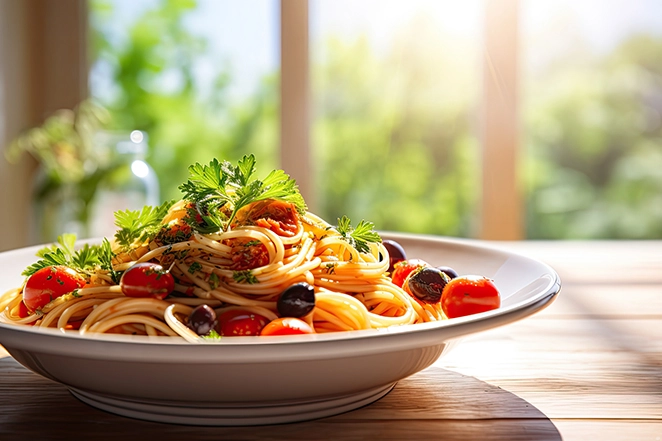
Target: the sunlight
(380, 20)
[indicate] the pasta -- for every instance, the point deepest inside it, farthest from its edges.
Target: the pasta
(267, 245)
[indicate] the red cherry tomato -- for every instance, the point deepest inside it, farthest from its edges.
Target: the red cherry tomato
(147, 280)
(49, 283)
(468, 295)
(248, 254)
(23, 311)
(403, 268)
(238, 322)
(74, 325)
(278, 216)
(287, 326)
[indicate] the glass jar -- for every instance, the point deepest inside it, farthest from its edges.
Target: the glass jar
(56, 209)
(127, 183)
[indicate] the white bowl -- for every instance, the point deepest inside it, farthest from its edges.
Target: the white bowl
(267, 380)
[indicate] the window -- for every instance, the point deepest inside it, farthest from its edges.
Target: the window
(502, 119)
(396, 93)
(201, 78)
(592, 82)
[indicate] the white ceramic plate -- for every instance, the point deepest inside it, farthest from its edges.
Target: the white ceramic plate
(267, 380)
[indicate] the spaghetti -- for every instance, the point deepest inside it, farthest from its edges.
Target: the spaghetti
(264, 247)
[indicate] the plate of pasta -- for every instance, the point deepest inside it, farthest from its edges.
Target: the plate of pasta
(237, 306)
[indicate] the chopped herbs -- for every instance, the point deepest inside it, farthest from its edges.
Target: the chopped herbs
(212, 335)
(214, 281)
(330, 268)
(194, 267)
(360, 236)
(245, 276)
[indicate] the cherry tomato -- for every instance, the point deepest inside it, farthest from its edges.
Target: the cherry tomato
(49, 283)
(147, 280)
(287, 326)
(403, 268)
(238, 322)
(22, 310)
(248, 254)
(74, 325)
(466, 295)
(278, 216)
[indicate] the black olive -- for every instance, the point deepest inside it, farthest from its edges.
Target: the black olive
(450, 272)
(296, 301)
(427, 284)
(396, 253)
(202, 319)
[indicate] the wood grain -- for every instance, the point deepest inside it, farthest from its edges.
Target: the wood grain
(587, 367)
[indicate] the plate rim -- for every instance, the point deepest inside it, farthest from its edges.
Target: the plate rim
(452, 328)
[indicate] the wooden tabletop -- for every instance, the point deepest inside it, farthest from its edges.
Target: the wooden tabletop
(587, 367)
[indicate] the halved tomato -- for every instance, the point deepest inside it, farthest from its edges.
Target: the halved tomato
(49, 283)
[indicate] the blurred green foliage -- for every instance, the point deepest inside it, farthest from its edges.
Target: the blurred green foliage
(394, 133)
(184, 125)
(70, 168)
(395, 139)
(594, 140)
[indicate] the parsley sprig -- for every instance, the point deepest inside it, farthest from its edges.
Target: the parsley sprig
(139, 225)
(220, 188)
(85, 259)
(360, 236)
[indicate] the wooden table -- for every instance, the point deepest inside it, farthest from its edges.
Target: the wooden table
(589, 367)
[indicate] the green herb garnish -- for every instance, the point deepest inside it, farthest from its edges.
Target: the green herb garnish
(245, 276)
(86, 259)
(212, 335)
(194, 267)
(214, 281)
(105, 255)
(219, 190)
(360, 236)
(139, 225)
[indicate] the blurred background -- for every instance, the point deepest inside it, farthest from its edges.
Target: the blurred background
(489, 119)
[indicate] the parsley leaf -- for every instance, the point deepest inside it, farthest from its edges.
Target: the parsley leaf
(139, 225)
(360, 236)
(214, 281)
(194, 267)
(212, 335)
(219, 190)
(245, 276)
(86, 259)
(105, 256)
(49, 257)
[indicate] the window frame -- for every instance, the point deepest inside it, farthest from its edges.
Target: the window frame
(57, 65)
(501, 207)
(43, 44)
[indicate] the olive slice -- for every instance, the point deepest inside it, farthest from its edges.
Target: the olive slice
(395, 252)
(202, 319)
(427, 284)
(296, 301)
